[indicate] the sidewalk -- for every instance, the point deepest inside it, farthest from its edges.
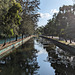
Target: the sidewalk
(9, 43)
(63, 41)
(68, 43)
(14, 42)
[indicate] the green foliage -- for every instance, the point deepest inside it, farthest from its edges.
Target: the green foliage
(18, 17)
(12, 33)
(10, 19)
(62, 24)
(29, 16)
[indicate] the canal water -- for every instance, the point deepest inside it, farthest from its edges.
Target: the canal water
(38, 57)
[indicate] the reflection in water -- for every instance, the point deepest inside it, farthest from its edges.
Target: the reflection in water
(61, 61)
(21, 62)
(45, 66)
(38, 59)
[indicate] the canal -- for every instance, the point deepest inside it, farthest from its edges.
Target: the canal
(38, 57)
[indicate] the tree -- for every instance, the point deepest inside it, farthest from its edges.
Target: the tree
(50, 28)
(14, 21)
(29, 16)
(11, 20)
(4, 7)
(63, 23)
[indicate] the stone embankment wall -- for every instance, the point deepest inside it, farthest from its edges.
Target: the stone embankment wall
(9, 48)
(63, 46)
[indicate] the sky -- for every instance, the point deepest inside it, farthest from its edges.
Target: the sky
(48, 8)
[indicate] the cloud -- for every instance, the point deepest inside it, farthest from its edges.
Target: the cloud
(42, 52)
(54, 11)
(44, 15)
(48, 15)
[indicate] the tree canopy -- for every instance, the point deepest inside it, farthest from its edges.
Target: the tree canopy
(62, 24)
(18, 17)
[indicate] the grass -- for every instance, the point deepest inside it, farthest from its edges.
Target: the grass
(64, 42)
(67, 43)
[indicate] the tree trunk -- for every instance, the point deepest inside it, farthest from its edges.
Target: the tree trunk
(22, 36)
(66, 40)
(22, 40)
(16, 37)
(52, 36)
(70, 41)
(4, 42)
(10, 40)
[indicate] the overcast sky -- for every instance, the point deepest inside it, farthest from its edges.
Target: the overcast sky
(49, 7)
